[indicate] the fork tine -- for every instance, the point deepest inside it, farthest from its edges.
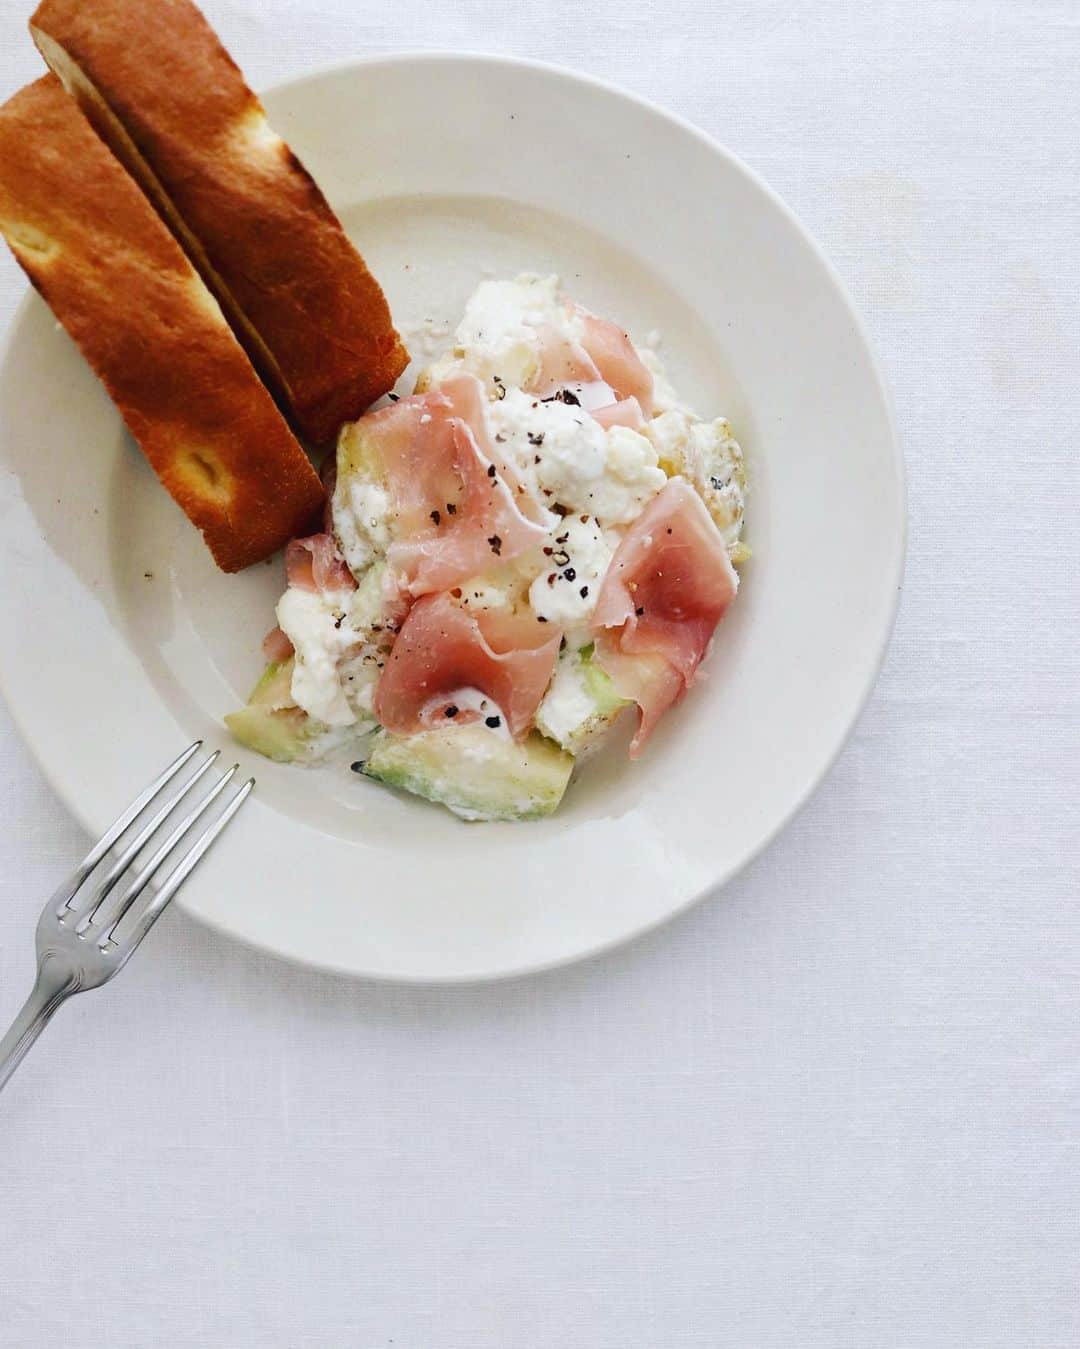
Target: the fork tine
(146, 874)
(180, 873)
(122, 863)
(119, 826)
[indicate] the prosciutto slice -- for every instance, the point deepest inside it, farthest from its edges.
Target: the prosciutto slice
(604, 356)
(668, 586)
(613, 354)
(444, 649)
(466, 394)
(277, 647)
(457, 506)
(315, 563)
(626, 412)
(562, 362)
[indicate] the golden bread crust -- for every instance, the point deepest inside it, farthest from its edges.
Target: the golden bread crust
(163, 92)
(123, 288)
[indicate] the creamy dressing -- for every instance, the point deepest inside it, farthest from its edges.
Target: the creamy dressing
(472, 705)
(361, 520)
(568, 458)
(338, 655)
(568, 705)
(497, 337)
(311, 621)
(709, 456)
(566, 591)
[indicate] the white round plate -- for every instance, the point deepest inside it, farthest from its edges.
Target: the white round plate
(123, 643)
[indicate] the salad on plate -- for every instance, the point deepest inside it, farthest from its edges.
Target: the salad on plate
(538, 540)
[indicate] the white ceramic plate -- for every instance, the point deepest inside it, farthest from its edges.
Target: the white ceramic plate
(122, 642)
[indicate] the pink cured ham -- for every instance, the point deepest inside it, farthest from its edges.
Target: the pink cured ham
(457, 506)
(605, 355)
(562, 362)
(668, 586)
(613, 354)
(315, 563)
(645, 679)
(626, 412)
(444, 648)
(466, 393)
(276, 646)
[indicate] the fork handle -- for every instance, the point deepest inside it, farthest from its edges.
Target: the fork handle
(53, 986)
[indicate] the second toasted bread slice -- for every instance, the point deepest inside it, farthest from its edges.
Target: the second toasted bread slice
(159, 87)
(123, 288)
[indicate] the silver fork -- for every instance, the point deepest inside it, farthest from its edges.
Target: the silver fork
(90, 928)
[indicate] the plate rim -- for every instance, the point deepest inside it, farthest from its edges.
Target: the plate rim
(888, 620)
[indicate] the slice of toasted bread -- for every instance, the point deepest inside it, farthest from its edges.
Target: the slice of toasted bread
(121, 285)
(159, 87)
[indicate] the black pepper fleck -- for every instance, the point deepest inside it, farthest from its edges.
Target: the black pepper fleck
(495, 544)
(570, 574)
(491, 470)
(358, 766)
(639, 612)
(451, 711)
(493, 722)
(584, 592)
(451, 509)
(436, 517)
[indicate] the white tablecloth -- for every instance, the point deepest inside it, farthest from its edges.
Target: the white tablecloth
(837, 1105)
